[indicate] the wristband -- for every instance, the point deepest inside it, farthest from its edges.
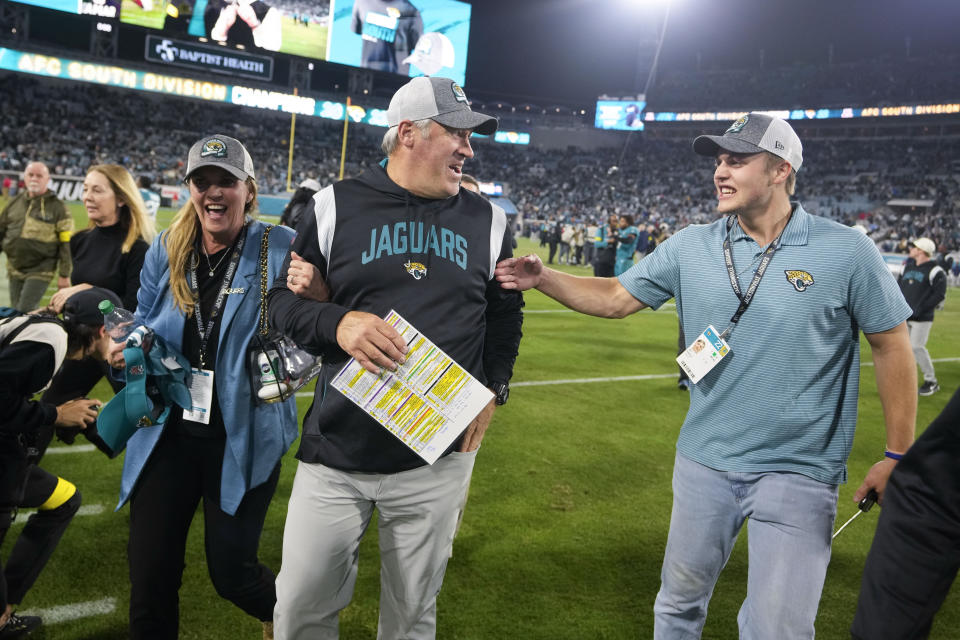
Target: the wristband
(892, 455)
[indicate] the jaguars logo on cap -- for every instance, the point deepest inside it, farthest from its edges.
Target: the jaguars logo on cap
(799, 279)
(736, 126)
(213, 147)
(458, 92)
(416, 269)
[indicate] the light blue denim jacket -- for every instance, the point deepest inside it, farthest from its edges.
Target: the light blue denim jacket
(257, 435)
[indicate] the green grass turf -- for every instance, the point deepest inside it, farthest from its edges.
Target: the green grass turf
(131, 13)
(298, 40)
(568, 512)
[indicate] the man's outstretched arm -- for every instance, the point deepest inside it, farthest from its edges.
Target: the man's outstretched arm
(896, 373)
(604, 297)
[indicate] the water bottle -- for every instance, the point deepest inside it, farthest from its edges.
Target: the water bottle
(118, 322)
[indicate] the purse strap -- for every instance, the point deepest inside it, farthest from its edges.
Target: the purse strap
(264, 255)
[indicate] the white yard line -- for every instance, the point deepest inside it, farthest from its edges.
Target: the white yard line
(67, 612)
(650, 376)
(75, 448)
(84, 510)
(666, 305)
(542, 383)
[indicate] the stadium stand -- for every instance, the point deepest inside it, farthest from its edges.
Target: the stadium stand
(857, 169)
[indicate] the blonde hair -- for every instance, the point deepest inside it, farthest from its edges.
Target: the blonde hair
(133, 213)
(790, 184)
(180, 240)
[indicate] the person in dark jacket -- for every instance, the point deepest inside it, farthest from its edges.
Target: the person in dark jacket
(35, 229)
(915, 553)
(107, 254)
(300, 202)
(389, 31)
(403, 236)
(924, 285)
(32, 349)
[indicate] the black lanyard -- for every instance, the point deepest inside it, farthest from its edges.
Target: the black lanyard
(746, 298)
(195, 290)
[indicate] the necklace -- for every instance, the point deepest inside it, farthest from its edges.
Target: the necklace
(207, 256)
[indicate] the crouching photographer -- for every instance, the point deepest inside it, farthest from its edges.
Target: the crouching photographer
(32, 349)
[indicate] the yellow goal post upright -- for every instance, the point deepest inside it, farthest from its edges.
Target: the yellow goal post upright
(293, 130)
(343, 147)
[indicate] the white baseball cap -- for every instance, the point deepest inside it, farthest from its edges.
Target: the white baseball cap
(926, 245)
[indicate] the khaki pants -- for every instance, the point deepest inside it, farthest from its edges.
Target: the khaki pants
(328, 513)
(919, 333)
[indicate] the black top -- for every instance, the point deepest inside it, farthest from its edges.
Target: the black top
(26, 367)
(97, 260)
(209, 287)
(924, 287)
(380, 247)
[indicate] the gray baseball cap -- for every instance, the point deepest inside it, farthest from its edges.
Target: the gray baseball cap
(441, 100)
(753, 133)
(222, 151)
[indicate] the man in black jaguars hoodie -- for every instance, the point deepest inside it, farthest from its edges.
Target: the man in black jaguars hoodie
(402, 236)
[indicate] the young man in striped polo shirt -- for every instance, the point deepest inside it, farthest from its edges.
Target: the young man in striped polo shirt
(780, 297)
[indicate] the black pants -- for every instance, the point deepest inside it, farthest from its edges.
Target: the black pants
(553, 251)
(40, 534)
(182, 470)
(916, 550)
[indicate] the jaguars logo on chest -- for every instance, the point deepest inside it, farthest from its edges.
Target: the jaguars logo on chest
(799, 279)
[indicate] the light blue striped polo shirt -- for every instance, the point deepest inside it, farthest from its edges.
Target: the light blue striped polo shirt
(785, 398)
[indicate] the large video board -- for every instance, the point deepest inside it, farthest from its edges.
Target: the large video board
(620, 114)
(408, 37)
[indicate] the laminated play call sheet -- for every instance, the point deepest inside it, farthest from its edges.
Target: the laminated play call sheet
(427, 402)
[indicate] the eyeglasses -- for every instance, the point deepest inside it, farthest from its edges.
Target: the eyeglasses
(202, 184)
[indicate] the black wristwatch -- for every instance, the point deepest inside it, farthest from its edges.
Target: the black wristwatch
(502, 391)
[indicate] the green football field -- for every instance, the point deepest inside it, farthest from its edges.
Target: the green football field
(133, 13)
(309, 42)
(568, 511)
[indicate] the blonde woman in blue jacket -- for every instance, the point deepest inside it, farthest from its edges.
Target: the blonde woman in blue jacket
(200, 290)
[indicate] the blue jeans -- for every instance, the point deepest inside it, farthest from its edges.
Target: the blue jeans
(790, 522)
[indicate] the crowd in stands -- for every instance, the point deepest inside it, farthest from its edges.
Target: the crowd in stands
(659, 181)
(303, 9)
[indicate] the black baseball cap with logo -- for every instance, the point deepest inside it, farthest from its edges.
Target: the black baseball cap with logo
(222, 151)
(441, 100)
(83, 307)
